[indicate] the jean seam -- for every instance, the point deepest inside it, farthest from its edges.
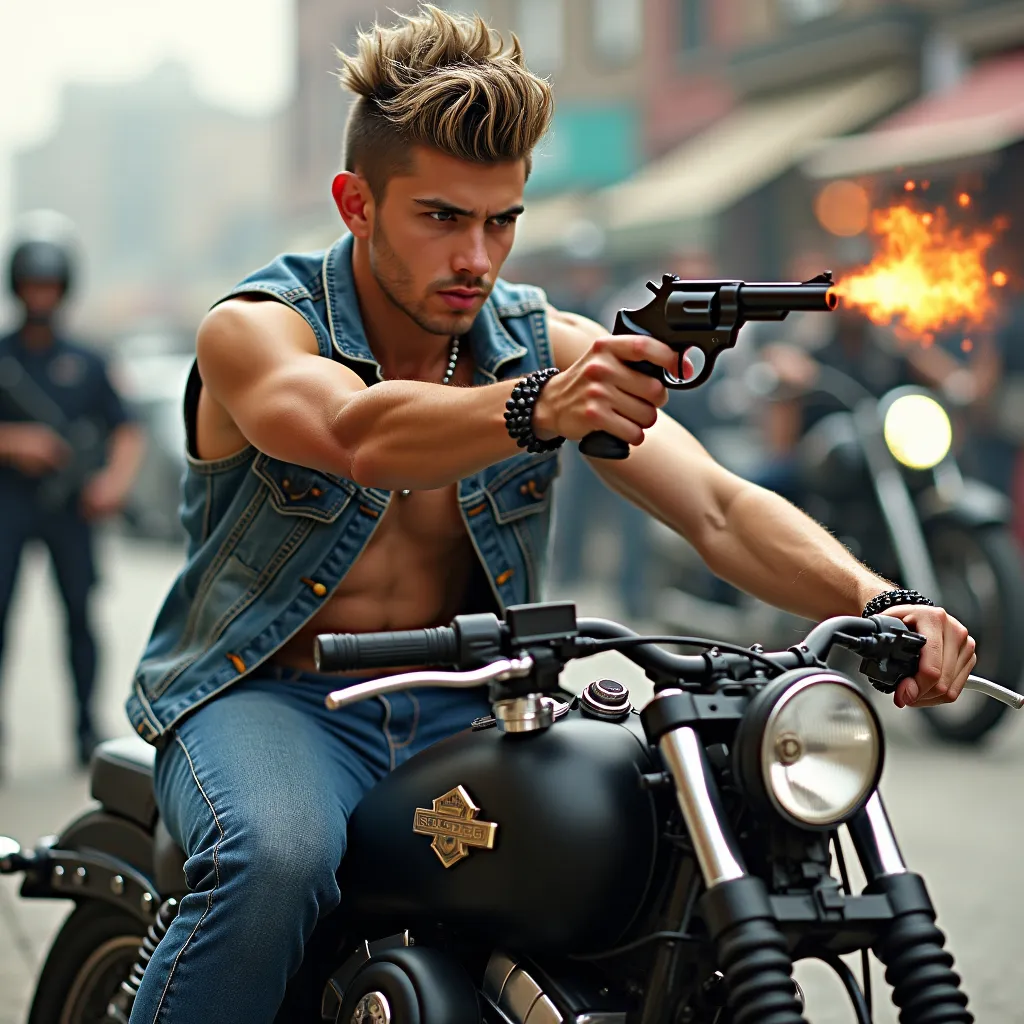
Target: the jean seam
(392, 744)
(387, 732)
(216, 873)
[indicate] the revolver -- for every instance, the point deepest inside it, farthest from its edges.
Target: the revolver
(705, 317)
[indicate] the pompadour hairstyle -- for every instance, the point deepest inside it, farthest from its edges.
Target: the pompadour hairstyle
(441, 80)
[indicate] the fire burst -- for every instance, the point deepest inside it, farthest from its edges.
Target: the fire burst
(927, 274)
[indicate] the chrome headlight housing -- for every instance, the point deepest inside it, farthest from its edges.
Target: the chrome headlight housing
(810, 748)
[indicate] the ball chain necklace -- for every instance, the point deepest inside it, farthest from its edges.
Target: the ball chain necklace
(453, 358)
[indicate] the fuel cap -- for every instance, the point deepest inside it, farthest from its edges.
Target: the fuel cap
(605, 698)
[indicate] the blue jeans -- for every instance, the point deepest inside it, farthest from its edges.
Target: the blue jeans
(257, 786)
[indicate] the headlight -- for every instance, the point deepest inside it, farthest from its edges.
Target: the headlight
(917, 431)
(810, 748)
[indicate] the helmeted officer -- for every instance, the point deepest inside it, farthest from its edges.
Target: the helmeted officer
(68, 449)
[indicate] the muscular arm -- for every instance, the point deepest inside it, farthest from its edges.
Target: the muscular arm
(259, 362)
(746, 534)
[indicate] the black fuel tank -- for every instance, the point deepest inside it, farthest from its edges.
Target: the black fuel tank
(573, 848)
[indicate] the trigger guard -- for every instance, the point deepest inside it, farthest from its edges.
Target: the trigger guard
(674, 383)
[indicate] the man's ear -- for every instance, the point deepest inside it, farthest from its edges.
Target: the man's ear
(354, 201)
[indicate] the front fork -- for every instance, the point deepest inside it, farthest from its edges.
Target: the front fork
(752, 951)
(918, 967)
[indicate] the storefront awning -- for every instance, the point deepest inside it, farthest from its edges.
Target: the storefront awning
(743, 151)
(982, 114)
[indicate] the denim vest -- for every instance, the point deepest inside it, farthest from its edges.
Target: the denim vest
(269, 541)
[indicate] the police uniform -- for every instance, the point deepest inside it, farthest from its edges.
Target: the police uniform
(75, 382)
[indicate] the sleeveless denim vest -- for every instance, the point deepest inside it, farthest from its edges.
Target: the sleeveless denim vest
(269, 541)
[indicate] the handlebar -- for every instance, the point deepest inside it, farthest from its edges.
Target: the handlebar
(537, 641)
(338, 652)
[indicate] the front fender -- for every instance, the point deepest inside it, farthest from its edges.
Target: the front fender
(973, 505)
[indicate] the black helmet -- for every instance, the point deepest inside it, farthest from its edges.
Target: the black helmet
(42, 251)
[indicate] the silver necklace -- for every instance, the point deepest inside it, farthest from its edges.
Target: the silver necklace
(453, 358)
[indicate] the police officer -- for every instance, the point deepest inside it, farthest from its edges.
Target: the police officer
(68, 452)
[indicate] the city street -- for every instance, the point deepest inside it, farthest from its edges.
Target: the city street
(959, 815)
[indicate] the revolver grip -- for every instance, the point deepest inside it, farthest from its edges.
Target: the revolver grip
(599, 444)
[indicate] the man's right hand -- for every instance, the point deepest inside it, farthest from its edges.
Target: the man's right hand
(33, 448)
(600, 392)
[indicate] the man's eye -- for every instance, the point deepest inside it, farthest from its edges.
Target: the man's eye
(442, 216)
(503, 222)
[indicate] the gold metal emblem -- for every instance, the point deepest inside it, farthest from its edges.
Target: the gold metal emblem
(453, 823)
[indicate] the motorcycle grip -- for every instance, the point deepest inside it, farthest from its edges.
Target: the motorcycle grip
(339, 652)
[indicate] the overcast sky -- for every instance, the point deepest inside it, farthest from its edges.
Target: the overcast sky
(240, 53)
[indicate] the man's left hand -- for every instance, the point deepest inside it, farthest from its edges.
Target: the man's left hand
(102, 496)
(947, 659)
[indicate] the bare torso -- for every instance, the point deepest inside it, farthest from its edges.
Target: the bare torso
(415, 571)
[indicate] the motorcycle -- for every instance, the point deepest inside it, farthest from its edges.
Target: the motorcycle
(881, 476)
(561, 860)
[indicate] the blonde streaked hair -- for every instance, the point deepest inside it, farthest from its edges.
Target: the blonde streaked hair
(441, 80)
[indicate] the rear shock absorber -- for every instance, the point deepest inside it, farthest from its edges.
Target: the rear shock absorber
(752, 953)
(918, 967)
(120, 1007)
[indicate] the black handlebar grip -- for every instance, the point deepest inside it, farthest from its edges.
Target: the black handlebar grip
(599, 444)
(340, 652)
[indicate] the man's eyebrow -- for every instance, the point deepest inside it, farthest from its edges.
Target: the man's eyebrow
(442, 206)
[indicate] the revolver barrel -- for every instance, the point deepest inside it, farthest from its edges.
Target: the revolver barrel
(786, 297)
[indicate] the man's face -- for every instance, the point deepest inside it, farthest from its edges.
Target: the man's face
(441, 234)
(40, 297)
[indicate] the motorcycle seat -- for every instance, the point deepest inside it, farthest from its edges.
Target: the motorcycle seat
(122, 779)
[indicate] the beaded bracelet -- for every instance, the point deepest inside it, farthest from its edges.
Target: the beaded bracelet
(519, 412)
(892, 598)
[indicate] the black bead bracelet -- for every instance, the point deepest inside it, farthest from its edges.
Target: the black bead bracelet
(519, 412)
(893, 598)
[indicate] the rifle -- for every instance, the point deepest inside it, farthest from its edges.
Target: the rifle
(705, 317)
(87, 440)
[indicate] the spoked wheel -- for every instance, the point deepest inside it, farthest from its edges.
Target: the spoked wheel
(92, 954)
(981, 574)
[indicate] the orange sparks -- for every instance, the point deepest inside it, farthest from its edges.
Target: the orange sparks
(926, 219)
(999, 278)
(908, 186)
(967, 344)
(964, 199)
(926, 275)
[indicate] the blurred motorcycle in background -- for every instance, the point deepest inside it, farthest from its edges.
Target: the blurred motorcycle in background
(881, 475)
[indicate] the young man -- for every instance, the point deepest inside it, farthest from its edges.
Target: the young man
(351, 470)
(53, 395)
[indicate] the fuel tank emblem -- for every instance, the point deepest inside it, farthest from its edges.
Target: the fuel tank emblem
(452, 822)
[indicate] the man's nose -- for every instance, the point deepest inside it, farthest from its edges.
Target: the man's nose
(472, 257)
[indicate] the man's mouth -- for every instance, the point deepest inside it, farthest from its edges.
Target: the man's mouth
(461, 298)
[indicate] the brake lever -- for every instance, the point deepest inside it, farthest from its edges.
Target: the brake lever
(496, 672)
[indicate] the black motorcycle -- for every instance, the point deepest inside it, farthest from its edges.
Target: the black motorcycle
(562, 860)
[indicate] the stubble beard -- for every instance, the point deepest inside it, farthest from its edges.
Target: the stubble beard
(395, 280)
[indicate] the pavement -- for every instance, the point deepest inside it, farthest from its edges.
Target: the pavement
(959, 814)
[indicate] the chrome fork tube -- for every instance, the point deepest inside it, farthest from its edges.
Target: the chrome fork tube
(717, 853)
(875, 842)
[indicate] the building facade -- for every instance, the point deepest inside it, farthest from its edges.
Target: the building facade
(171, 198)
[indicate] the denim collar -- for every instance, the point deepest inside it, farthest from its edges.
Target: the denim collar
(491, 344)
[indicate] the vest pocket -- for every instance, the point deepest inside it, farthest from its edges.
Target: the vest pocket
(522, 486)
(299, 491)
